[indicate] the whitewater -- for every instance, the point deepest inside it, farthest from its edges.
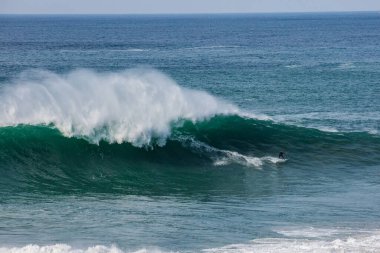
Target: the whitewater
(314, 241)
(137, 106)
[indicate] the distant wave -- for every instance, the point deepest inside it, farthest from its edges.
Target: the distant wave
(342, 121)
(293, 66)
(346, 65)
(351, 116)
(212, 47)
(91, 51)
(130, 50)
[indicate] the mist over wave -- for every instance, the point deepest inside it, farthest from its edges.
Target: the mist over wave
(138, 106)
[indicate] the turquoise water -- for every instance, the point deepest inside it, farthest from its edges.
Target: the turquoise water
(162, 133)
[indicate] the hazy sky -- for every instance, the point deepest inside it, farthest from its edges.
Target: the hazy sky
(183, 6)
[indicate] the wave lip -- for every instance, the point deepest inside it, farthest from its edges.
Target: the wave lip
(138, 106)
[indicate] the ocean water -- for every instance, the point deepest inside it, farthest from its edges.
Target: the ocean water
(161, 133)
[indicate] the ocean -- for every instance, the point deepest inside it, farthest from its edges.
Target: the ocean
(161, 133)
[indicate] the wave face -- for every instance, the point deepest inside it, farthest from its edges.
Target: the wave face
(40, 158)
(113, 132)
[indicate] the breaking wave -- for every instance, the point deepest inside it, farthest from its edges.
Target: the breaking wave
(107, 132)
(136, 106)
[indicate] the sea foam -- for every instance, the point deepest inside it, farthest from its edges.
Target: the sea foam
(223, 157)
(138, 106)
(361, 241)
(310, 241)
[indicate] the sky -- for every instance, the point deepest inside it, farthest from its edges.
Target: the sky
(181, 6)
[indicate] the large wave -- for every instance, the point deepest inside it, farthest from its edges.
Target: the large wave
(50, 123)
(39, 158)
(137, 106)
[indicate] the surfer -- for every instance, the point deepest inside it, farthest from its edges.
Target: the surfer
(281, 155)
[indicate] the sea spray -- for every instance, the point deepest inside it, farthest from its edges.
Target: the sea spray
(136, 105)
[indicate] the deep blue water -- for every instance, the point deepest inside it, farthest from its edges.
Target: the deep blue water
(162, 132)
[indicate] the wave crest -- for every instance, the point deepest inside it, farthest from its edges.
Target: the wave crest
(138, 106)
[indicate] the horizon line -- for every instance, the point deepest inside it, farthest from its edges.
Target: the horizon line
(196, 13)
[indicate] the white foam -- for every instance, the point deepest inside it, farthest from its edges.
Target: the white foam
(311, 232)
(250, 115)
(235, 157)
(321, 241)
(137, 106)
(225, 157)
(328, 129)
(359, 242)
(373, 131)
(65, 248)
